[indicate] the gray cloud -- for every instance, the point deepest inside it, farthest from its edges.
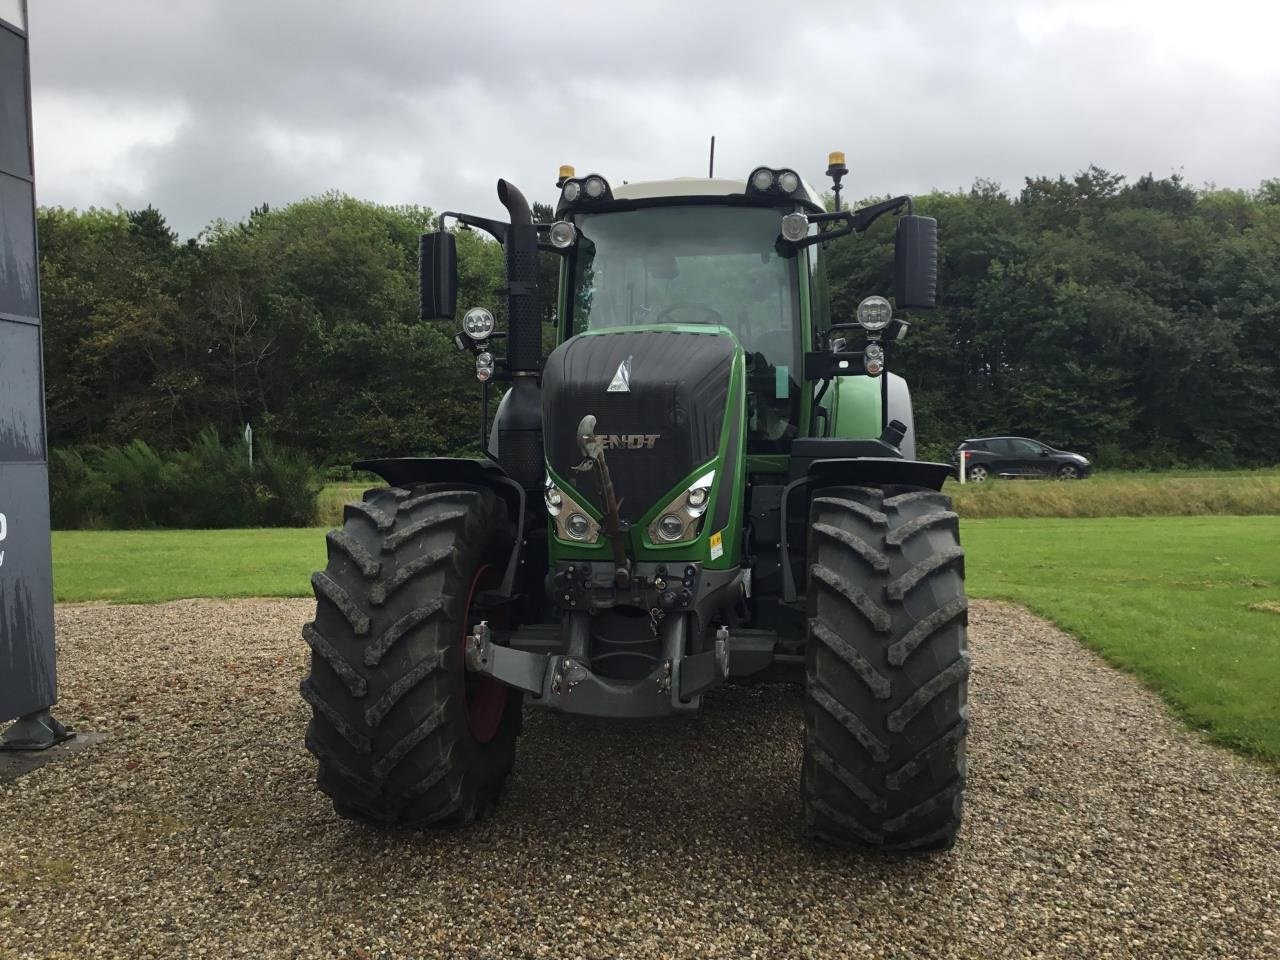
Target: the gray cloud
(208, 107)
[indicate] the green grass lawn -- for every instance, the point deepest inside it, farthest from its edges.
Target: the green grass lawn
(1189, 604)
(146, 566)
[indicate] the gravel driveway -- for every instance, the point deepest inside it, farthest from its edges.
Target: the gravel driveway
(1096, 826)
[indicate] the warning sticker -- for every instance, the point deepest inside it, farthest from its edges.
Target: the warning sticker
(717, 545)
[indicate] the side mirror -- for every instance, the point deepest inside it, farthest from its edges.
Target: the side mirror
(438, 275)
(915, 262)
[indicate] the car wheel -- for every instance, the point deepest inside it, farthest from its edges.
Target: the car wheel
(1068, 472)
(976, 474)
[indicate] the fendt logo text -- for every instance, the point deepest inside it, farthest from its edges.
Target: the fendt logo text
(630, 441)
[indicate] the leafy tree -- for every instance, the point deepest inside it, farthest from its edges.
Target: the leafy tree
(1137, 320)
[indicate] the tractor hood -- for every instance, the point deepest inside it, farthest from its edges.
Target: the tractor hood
(660, 398)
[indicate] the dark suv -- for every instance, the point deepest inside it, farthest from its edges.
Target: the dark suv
(1017, 457)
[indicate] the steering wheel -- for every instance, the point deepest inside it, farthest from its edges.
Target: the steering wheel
(713, 315)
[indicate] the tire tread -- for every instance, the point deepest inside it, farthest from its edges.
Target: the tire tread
(886, 720)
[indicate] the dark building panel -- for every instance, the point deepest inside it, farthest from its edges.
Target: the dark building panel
(17, 244)
(28, 681)
(15, 153)
(27, 677)
(21, 394)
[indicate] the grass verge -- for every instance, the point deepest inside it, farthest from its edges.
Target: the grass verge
(1189, 494)
(330, 502)
(1189, 604)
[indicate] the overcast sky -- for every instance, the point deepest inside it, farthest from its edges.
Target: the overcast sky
(206, 108)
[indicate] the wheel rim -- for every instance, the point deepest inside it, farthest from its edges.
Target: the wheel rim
(484, 697)
(1067, 473)
(978, 474)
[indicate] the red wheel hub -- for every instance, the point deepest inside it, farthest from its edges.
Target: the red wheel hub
(485, 697)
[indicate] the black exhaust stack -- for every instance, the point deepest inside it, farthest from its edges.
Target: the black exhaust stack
(524, 323)
(516, 440)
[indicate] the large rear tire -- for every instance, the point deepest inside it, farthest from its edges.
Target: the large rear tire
(402, 734)
(886, 715)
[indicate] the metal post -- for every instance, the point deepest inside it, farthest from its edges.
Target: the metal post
(28, 680)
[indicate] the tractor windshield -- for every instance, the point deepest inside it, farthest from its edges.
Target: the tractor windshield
(699, 264)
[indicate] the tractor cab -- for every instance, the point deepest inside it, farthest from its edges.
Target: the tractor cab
(665, 256)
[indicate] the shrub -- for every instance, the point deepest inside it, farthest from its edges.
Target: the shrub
(78, 494)
(287, 487)
(208, 485)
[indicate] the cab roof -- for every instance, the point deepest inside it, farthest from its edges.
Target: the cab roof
(699, 187)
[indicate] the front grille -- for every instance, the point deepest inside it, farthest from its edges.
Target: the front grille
(679, 388)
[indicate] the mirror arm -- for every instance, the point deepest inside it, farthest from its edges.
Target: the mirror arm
(494, 228)
(866, 216)
(844, 217)
(855, 221)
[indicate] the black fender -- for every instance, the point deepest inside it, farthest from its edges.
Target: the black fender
(402, 471)
(846, 471)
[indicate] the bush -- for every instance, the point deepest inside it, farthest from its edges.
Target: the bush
(78, 494)
(208, 485)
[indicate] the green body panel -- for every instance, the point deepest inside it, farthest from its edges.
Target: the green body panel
(768, 463)
(856, 408)
(806, 331)
(729, 482)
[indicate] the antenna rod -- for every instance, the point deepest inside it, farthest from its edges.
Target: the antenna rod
(711, 169)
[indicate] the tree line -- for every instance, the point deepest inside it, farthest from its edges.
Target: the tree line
(1136, 321)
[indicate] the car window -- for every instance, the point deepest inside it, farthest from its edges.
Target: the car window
(1025, 447)
(1000, 446)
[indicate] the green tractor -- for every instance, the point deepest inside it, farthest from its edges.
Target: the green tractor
(707, 480)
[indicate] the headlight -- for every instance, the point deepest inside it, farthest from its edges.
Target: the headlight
(873, 359)
(795, 226)
(699, 494)
(591, 188)
(762, 179)
(670, 528)
(551, 495)
(568, 516)
(874, 313)
(562, 234)
(681, 519)
(478, 323)
(577, 526)
(767, 180)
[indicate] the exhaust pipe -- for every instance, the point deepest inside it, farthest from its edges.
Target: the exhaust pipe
(524, 320)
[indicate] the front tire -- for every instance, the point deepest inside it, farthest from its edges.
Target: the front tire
(402, 735)
(887, 663)
(1068, 472)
